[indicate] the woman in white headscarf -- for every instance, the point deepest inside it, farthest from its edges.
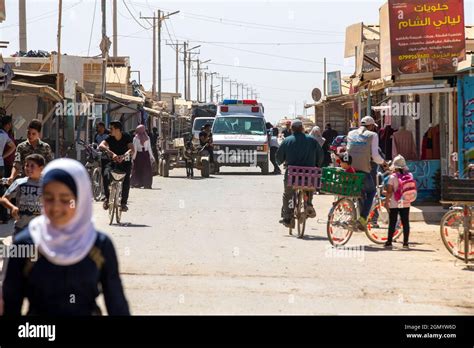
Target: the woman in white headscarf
(316, 133)
(72, 260)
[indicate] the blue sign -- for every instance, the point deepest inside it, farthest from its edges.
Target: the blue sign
(466, 122)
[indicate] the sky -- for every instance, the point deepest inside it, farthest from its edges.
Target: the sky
(275, 47)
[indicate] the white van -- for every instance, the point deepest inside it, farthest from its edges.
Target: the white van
(240, 136)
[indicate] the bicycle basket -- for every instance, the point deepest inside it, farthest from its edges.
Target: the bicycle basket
(338, 182)
(304, 178)
(118, 176)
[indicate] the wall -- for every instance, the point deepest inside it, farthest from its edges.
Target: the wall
(23, 109)
(424, 173)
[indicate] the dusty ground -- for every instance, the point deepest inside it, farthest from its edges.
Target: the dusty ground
(214, 246)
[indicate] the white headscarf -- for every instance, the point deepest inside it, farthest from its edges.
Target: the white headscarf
(316, 133)
(71, 243)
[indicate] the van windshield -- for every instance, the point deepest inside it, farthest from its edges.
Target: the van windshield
(239, 125)
(198, 123)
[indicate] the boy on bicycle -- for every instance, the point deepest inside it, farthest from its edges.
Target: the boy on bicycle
(118, 145)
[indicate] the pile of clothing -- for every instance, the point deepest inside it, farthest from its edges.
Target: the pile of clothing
(32, 54)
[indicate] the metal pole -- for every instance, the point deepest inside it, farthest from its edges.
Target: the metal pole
(104, 52)
(22, 20)
(185, 72)
(212, 87)
(222, 88)
(205, 87)
(115, 28)
(153, 88)
(177, 68)
(159, 55)
(198, 97)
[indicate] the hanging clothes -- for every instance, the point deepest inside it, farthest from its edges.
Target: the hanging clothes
(404, 144)
(430, 146)
(385, 142)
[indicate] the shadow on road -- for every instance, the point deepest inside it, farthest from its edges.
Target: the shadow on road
(129, 224)
(312, 238)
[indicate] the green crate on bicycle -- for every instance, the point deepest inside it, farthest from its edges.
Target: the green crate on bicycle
(338, 182)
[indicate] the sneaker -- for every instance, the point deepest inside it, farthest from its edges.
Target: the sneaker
(124, 208)
(388, 245)
(406, 246)
(362, 222)
(105, 205)
(311, 212)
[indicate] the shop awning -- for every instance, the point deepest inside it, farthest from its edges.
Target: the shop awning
(468, 64)
(123, 98)
(419, 89)
(153, 112)
(40, 90)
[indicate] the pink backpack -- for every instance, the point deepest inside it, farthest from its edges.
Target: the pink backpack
(406, 188)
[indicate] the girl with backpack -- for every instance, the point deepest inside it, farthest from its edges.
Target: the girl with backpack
(401, 192)
(72, 262)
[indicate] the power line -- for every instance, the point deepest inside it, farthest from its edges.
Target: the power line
(92, 28)
(274, 55)
(131, 14)
(45, 15)
(268, 69)
(266, 43)
(221, 20)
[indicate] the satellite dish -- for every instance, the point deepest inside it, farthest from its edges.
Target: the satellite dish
(316, 94)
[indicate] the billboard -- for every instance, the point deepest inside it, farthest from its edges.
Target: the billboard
(426, 36)
(334, 83)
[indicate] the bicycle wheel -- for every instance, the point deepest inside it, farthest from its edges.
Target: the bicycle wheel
(340, 222)
(118, 209)
(301, 213)
(96, 184)
(377, 225)
(112, 204)
(454, 237)
(468, 235)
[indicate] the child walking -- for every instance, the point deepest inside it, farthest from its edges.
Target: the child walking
(27, 192)
(401, 192)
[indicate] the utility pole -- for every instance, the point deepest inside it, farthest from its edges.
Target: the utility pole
(60, 18)
(22, 20)
(198, 71)
(230, 88)
(212, 86)
(104, 45)
(157, 27)
(159, 55)
(177, 67)
(185, 71)
(205, 87)
(153, 87)
(115, 28)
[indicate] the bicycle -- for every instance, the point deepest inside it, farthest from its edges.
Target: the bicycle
(304, 181)
(115, 193)
(378, 219)
(457, 225)
(94, 168)
(345, 212)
